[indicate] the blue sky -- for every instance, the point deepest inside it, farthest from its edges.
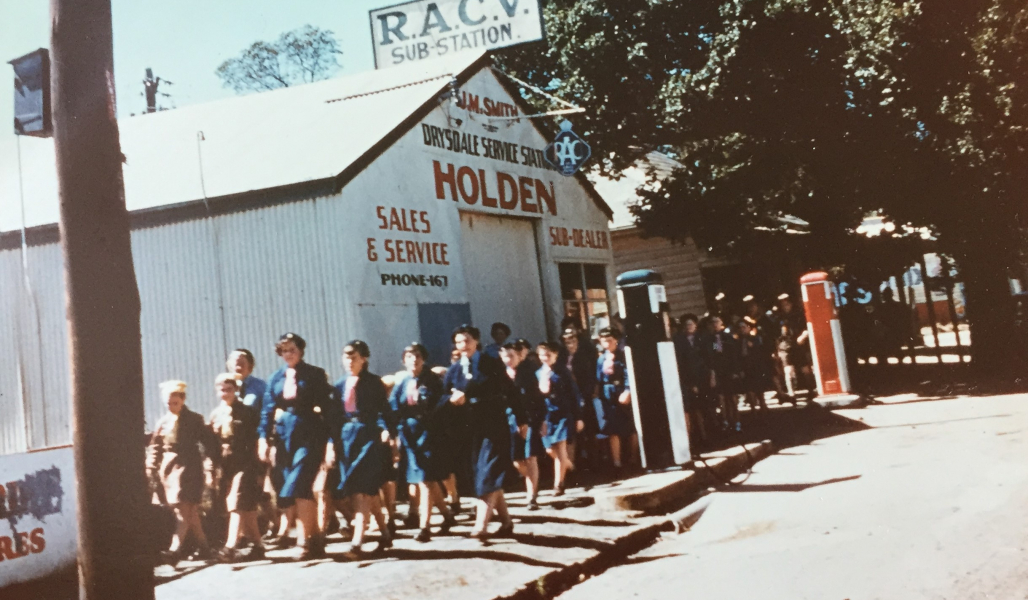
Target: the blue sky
(185, 40)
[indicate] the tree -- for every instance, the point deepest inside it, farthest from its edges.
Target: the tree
(303, 55)
(817, 110)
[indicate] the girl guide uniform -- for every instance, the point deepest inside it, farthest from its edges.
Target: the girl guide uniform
(612, 377)
(299, 412)
(558, 389)
(365, 461)
(487, 390)
(526, 393)
(419, 416)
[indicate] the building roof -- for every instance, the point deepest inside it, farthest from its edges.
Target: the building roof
(248, 143)
(623, 193)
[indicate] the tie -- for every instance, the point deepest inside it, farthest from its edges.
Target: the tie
(608, 364)
(289, 387)
(412, 392)
(350, 401)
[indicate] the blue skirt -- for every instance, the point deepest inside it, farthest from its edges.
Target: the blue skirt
(299, 452)
(491, 458)
(558, 429)
(531, 445)
(612, 417)
(424, 457)
(363, 458)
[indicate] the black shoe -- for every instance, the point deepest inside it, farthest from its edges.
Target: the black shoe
(505, 530)
(313, 550)
(533, 504)
(384, 543)
(256, 553)
(203, 554)
(282, 543)
(448, 522)
(559, 491)
(424, 535)
(355, 551)
(170, 557)
(228, 555)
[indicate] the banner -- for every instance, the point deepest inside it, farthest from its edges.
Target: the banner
(37, 515)
(424, 29)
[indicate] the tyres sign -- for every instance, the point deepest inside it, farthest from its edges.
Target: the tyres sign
(424, 29)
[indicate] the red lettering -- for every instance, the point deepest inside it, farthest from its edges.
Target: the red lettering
(38, 543)
(414, 221)
(424, 221)
(22, 546)
(380, 210)
(504, 181)
(7, 548)
(394, 220)
(372, 255)
(525, 185)
(444, 178)
(469, 196)
(486, 200)
(442, 253)
(546, 198)
(390, 253)
(411, 252)
(420, 250)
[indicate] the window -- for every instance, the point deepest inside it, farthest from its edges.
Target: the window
(584, 290)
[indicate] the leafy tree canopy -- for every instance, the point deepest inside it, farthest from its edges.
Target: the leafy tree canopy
(816, 110)
(300, 56)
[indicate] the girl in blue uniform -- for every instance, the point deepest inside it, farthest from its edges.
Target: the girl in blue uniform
(613, 416)
(363, 447)
(301, 435)
(558, 389)
(419, 412)
(525, 450)
(477, 383)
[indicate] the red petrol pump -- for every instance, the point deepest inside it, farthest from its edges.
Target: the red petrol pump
(826, 345)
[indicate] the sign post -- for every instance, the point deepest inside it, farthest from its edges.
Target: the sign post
(424, 29)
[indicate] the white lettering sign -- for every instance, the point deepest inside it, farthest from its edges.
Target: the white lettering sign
(423, 29)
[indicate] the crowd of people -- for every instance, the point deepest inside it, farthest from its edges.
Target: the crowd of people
(722, 359)
(298, 452)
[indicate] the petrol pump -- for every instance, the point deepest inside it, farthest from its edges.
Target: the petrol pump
(653, 369)
(826, 347)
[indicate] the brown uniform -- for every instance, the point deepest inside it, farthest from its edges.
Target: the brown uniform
(175, 453)
(238, 469)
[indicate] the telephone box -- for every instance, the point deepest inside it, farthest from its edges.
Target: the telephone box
(826, 347)
(653, 368)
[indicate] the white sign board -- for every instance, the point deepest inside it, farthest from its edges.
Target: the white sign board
(424, 29)
(37, 515)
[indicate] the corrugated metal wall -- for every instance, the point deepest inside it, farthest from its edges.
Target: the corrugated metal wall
(206, 287)
(12, 418)
(33, 352)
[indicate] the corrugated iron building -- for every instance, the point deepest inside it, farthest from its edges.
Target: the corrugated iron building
(258, 215)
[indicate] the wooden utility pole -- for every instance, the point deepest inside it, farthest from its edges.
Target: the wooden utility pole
(102, 306)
